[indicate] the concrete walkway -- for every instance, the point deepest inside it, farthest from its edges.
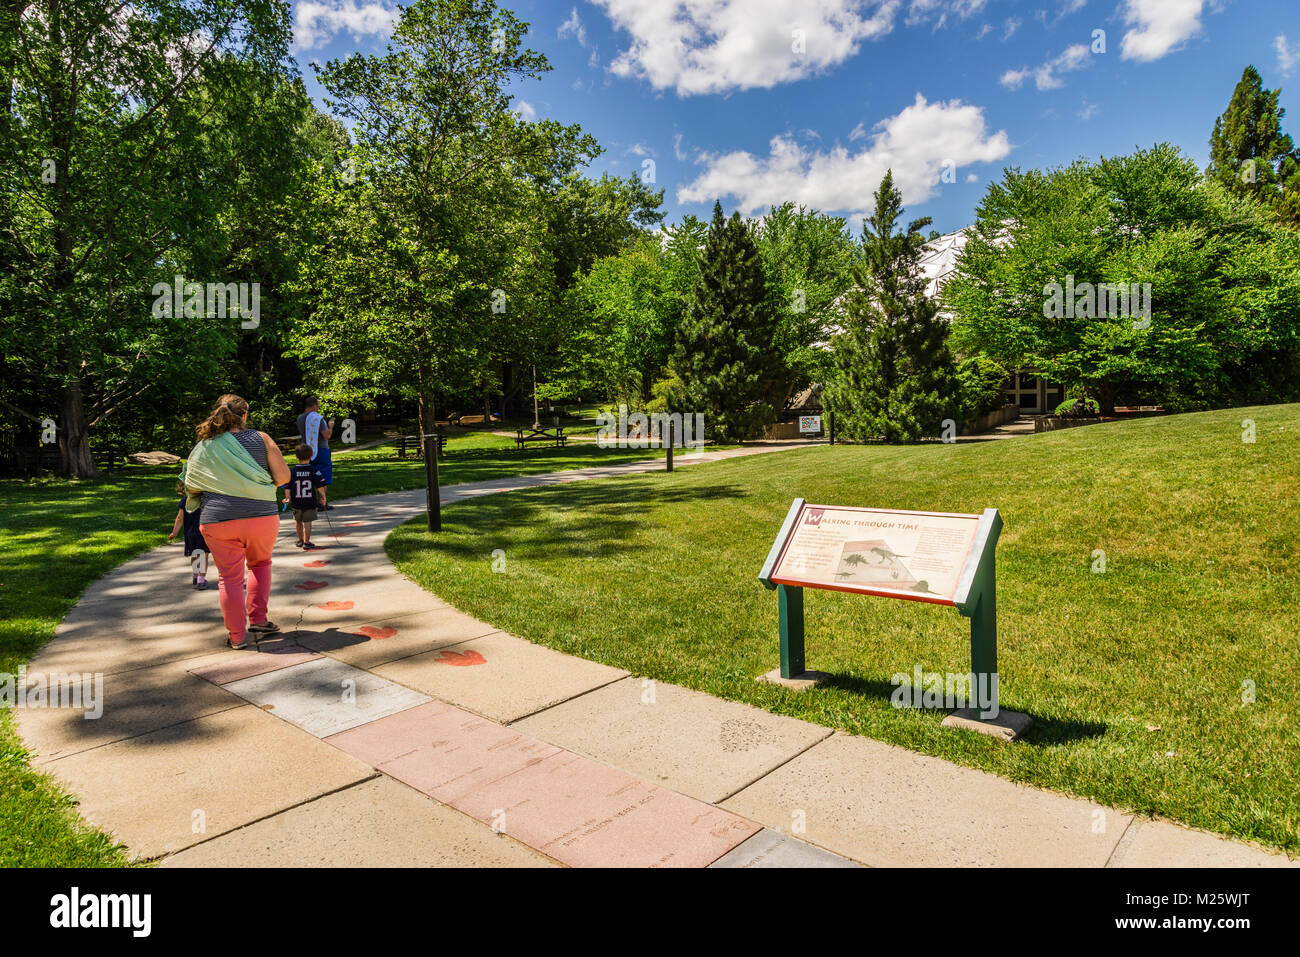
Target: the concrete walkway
(386, 728)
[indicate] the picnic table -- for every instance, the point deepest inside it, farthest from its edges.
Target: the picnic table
(538, 434)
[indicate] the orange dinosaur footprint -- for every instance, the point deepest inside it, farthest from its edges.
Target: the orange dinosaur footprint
(461, 659)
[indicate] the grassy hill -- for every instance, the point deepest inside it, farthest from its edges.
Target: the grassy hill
(1141, 678)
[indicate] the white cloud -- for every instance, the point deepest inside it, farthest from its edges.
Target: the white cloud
(717, 46)
(573, 27)
(526, 111)
(1088, 110)
(1011, 25)
(916, 144)
(316, 22)
(1158, 27)
(1286, 57)
(923, 11)
(984, 31)
(1074, 57)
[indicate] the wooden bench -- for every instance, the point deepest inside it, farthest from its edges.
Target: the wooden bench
(556, 438)
(107, 457)
(412, 443)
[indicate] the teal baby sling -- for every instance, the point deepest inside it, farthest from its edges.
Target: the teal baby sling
(222, 465)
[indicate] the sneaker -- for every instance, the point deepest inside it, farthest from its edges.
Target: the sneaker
(241, 646)
(308, 546)
(201, 582)
(298, 544)
(264, 628)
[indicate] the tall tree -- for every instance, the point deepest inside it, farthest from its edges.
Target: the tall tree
(436, 246)
(807, 259)
(726, 355)
(1250, 154)
(894, 374)
(124, 131)
(1222, 302)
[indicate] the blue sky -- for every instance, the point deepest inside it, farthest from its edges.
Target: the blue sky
(758, 101)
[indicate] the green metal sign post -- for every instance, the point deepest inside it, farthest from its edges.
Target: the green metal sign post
(970, 584)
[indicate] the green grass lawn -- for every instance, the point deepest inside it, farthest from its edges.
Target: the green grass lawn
(56, 537)
(1135, 676)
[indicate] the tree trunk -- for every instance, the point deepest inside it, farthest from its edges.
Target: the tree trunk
(429, 443)
(74, 443)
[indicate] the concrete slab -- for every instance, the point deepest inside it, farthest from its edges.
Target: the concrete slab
(164, 791)
(691, 742)
(325, 696)
(113, 646)
(499, 676)
(800, 682)
(268, 656)
(1163, 844)
(378, 823)
(133, 703)
(587, 815)
(346, 605)
(442, 751)
(889, 807)
(1007, 726)
(378, 640)
(770, 849)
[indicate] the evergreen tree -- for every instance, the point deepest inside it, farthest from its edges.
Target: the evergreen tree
(1250, 154)
(725, 353)
(894, 375)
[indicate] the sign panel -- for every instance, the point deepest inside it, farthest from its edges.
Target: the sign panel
(810, 423)
(914, 555)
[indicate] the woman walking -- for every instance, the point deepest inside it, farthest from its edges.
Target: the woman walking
(238, 470)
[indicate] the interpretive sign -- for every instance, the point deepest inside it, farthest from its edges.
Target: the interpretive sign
(913, 555)
(810, 424)
(944, 558)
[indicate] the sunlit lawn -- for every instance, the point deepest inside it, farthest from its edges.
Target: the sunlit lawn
(1140, 678)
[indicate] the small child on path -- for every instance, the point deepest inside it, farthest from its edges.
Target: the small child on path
(305, 491)
(196, 549)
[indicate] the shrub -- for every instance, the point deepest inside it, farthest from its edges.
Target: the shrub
(980, 381)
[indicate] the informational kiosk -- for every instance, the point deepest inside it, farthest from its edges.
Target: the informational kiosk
(936, 557)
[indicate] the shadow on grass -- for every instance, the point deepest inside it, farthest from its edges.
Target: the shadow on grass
(608, 513)
(1047, 732)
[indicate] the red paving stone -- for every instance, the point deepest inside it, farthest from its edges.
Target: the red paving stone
(337, 605)
(585, 814)
(441, 750)
(247, 665)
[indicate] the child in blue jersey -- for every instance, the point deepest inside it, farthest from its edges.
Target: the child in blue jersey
(305, 491)
(196, 549)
